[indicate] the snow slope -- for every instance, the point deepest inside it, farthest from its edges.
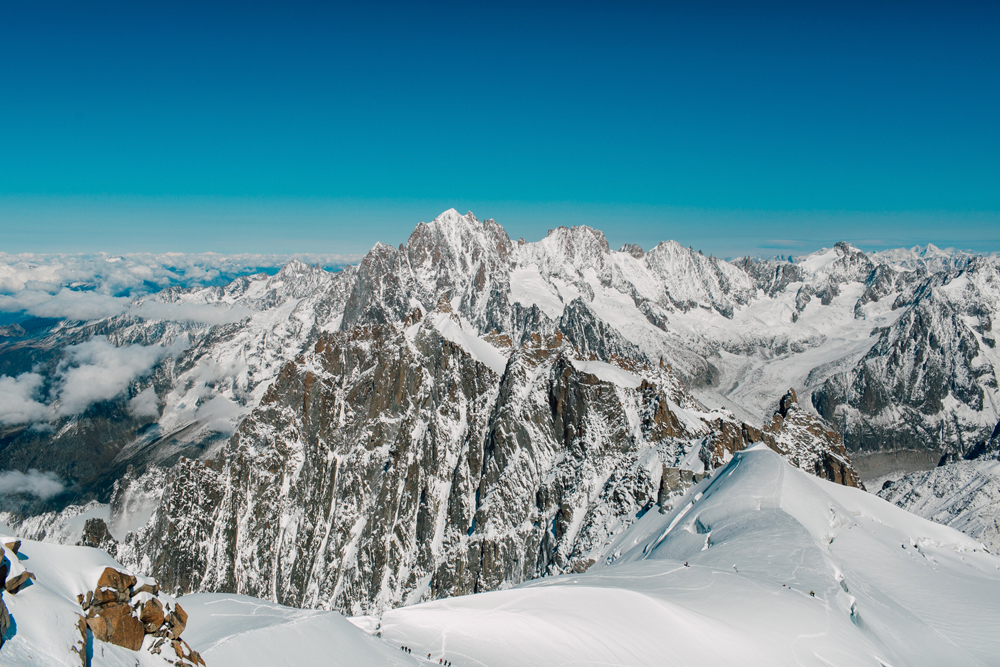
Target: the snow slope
(964, 495)
(228, 630)
(759, 537)
(236, 630)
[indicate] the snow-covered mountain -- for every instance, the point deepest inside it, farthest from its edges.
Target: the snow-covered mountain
(928, 258)
(962, 493)
(171, 376)
(465, 412)
(761, 565)
(482, 467)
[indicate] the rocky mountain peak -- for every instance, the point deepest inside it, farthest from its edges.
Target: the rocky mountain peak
(633, 249)
(795, 434)
(568, 252)
(691, 279)
(787, 402)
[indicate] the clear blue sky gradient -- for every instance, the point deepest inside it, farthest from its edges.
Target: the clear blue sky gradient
(735, 127)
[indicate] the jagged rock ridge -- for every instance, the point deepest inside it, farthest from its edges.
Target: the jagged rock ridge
(385, 467)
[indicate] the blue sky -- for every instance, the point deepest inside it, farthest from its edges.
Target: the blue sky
(737, 128)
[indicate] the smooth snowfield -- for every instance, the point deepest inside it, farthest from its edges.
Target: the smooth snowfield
(237, 631)
(759, 537)
(228, 630)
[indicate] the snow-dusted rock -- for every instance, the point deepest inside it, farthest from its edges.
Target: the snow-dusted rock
(760, 565)
(385, 467)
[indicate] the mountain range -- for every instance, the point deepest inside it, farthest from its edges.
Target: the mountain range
(466, 412)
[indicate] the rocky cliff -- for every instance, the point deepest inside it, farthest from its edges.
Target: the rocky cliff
(388, 465)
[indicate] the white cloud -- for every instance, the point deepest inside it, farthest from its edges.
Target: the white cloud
(139, 273)
(204, 313)
(145, 404)
(40, 484)
(90, 372)
(95, 286)
(98, 371)
(219, 414)
(17, 399)
(65, 304)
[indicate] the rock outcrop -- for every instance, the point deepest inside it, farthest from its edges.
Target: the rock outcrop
(121, 613)
(795, 433)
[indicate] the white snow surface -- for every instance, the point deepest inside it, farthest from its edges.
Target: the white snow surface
(465, 336)
(238, 631)
(759, 538)
(228, 630)
(608, 372)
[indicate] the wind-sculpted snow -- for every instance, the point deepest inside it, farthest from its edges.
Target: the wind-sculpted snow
(760, 565)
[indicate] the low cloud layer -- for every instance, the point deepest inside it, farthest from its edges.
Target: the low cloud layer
(202, 313)
(90, 287)
(139, 273)
(145, 404)
(98, 371)
(88, 373)
(219, 414)
(66, 304)
(18, 404)
(42, 485)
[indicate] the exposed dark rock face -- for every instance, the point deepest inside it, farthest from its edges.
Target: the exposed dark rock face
(933, 359)
(592, 337)
(771, 276)
(795, 434)
(5, 621)
(384, 468)
(633, 250)
(97, 535)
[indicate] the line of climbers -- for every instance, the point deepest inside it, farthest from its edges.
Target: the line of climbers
(441, 661)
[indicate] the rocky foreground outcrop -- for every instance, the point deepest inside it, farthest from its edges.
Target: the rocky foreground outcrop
(13, 577)
(121, 612)
(386, 466)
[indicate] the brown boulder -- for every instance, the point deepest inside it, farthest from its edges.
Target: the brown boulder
(189, 655)
(13, 546)
(103, 596)
(112, 578)
(4, 620)
(116, 624)
(99, 627)
(152, 589)
(152, 614)
(178, 621)
(16, 583)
